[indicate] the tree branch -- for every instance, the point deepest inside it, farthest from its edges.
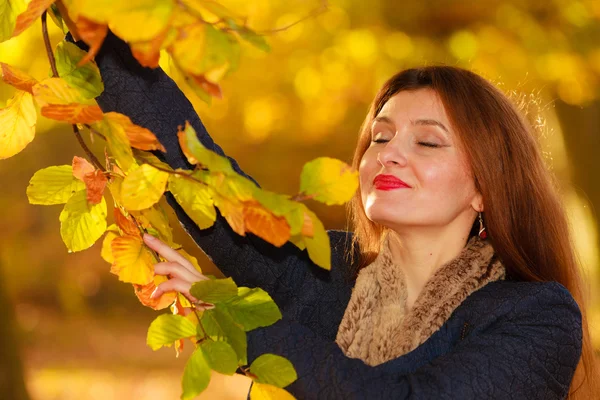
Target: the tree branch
(52, 61)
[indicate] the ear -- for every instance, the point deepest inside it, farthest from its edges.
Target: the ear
(477, 202)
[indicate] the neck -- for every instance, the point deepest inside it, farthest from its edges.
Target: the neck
(421, 252)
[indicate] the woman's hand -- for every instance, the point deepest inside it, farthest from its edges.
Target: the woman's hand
(181, 272)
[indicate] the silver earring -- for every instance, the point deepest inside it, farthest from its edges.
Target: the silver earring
(482, 232)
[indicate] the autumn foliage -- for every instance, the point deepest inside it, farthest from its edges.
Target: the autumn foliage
(203, 39)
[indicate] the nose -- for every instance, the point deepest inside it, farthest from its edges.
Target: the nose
(391, 154)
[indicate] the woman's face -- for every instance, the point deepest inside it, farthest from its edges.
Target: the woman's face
(413, 141)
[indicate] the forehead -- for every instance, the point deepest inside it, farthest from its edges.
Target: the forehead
(415, 104)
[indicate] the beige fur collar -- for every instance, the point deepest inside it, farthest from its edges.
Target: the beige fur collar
(377, 327)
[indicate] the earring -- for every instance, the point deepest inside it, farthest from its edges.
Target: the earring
(482, 232)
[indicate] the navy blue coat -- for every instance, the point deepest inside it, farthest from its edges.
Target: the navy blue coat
(507, 340)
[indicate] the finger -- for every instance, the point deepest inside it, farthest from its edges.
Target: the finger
(165, 250)
(177, 270)
(174, 285)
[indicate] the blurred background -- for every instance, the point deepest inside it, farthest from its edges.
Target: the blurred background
(70, 330)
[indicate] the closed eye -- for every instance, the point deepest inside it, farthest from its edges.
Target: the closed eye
(380, 140)
(427, 144)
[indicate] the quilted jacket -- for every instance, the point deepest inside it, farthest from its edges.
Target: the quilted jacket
(507, 340)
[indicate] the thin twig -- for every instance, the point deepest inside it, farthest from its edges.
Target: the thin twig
(319, 10)
(302, 197)
(182, 174)
(48, 46)
(95, 132)
(89, 153)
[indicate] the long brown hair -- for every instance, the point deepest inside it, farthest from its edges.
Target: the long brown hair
(524, 215)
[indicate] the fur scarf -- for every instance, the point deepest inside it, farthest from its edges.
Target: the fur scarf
(378, 327)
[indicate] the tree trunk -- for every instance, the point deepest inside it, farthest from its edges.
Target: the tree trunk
(12, 383)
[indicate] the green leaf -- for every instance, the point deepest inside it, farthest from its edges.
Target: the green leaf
(255, 39)
(219, 325)
(143, 187)
(201, 154)
(9, 11)
(196, 200)
(81, 223)
(196, 375)
(273, 370)
(214, 291)
(253, 308)
(220, 356)
(328, 180)
(53, 185)
(85, 78)
(168, 328)
(318, 247)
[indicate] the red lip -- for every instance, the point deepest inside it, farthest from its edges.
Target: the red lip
(389, 182)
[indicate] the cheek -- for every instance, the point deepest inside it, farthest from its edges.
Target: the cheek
(447, 180)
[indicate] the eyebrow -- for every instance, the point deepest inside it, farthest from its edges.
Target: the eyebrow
(426, 122)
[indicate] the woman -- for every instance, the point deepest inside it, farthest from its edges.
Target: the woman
(419, 303)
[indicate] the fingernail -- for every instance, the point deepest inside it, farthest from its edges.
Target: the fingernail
(153, 293)
(149, 237)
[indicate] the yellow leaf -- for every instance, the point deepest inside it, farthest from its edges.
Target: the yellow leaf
(143, 187)
(263, 391)
(9, 10)
(132, 20)
(118, 142)
(196, 153)
(328, 180)
(17, 124)
(189, 47)
(106, 252)
(139, 137)
(17, 78)
(318, 246)
(133, 262)
(82, 223)
(53, 185)
(155, 218)
(35, 8)
(62, 102)
(57, 91)
(195, 198)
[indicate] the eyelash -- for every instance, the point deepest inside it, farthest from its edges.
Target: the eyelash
(426, 144)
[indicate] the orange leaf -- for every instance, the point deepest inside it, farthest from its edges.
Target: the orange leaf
(126, 224)
(264, 224)
(209, 87)
(16, 77)
(139, 137)
(181, 135)
(34, 10)
(93, 34)
(95, 183)
(81, 167)
(143, 293)
(148, 52)
(233, 214)
(307, 226)
(133, 261)
(73, 113)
